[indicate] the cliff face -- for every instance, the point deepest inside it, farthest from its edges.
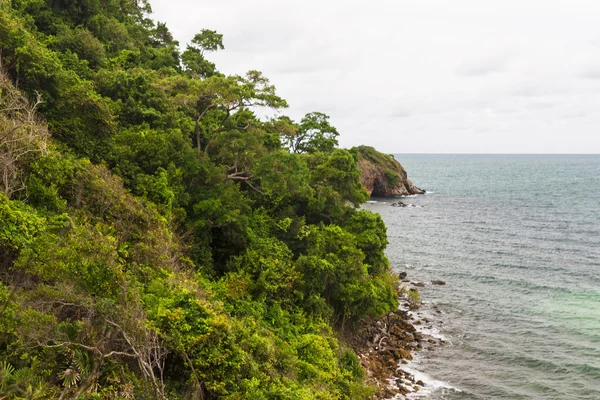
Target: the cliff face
(382, 175)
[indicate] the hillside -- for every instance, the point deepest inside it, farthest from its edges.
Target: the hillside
(157, 238)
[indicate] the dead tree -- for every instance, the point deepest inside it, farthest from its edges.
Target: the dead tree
(22, 134)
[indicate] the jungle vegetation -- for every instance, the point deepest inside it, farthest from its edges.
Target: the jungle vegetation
(157, 238)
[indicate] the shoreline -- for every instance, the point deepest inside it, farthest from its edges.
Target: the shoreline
(389, 347)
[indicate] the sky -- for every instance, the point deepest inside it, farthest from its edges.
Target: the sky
(419, 76)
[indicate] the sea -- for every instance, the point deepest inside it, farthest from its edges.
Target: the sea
(516, 239)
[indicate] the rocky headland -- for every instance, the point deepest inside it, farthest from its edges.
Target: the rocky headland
(382, 175)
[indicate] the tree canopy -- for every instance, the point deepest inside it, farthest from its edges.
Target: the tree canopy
(157, 238)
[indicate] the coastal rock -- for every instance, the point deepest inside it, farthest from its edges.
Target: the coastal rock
(382, 175)
(438, 282)
(402, 354)
(382, 346)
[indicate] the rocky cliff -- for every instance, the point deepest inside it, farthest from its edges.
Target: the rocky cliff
(382, 175)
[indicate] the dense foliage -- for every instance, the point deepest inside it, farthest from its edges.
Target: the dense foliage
(158, 239)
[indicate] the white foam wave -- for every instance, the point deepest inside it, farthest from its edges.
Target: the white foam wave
(431, 384)
(433, 332)
(429, 192)
(427, 328)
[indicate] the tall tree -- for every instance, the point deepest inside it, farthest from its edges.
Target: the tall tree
(314, 133)
(194, 57)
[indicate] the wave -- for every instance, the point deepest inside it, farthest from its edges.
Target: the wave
(431, 384)
(586, 369)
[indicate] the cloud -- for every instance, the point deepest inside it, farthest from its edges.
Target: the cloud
(401, 113)
(481, 67)
(541, 105)
(539, 89)
(590, 73)
(418, 69)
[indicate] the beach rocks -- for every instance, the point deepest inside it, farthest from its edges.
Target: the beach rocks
(437, 282)
(382, 345)
(401, 354)
(403, 204)
(386, 344)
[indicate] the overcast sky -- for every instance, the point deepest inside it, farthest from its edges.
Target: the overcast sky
(420, 76)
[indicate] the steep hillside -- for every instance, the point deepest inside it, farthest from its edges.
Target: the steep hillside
(159, 240)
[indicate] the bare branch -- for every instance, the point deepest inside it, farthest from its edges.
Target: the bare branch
(22, 133)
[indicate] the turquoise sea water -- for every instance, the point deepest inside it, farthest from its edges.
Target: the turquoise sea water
(517, 240)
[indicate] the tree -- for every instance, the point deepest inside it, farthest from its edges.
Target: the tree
(314, 133)
(221, 97)
(193, 57)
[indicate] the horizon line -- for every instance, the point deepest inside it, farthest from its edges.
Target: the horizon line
(504, 154)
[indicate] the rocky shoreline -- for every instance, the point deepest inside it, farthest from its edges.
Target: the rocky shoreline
(386, 345)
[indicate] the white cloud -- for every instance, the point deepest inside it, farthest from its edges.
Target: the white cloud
(420, 76)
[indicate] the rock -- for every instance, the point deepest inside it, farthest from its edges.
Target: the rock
(437, 282)
(399, 204)
(413, 189)
(402, 275)
(402, 354)
(418, 284)
(382, 175)
(420, 383)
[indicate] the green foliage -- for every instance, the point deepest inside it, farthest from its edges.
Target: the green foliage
(371, 238)
(414, 298)
(84, 44)
(23, 383)
(193, 57)
(166, 241)
(19, 224)
(314, 133)
(334, 269)
(336, 180)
